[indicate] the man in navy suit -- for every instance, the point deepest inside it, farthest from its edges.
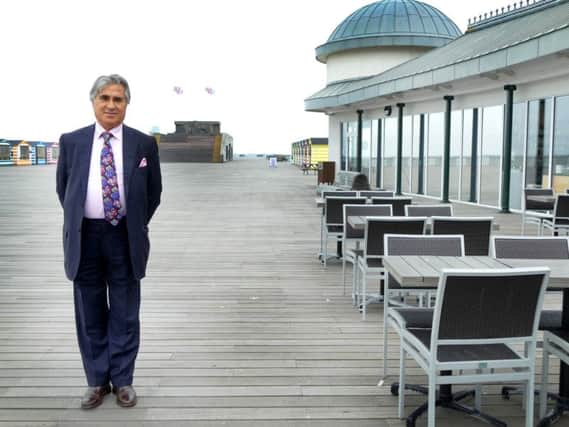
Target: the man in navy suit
(109, 185)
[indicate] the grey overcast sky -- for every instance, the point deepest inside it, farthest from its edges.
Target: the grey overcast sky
(257, 56)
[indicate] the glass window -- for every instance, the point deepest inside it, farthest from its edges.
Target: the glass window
(560, 168)
(517, 169)
(40, 153)
(435, 153)
(373, 167)
(389, 153)
(490, 159)
(416, 139)
(455, 151)
(538, 143)
(343, 146)
(54, 152)
(349, 145)
(466, 169)
(352, 144)
(4, 152)
(366, 146)
(406, 153)
(24, 152)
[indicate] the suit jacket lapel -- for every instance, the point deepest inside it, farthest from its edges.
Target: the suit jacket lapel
(84, 159)
(129, 149)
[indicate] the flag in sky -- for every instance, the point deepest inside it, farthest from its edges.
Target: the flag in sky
(178, 90)
(209, 90)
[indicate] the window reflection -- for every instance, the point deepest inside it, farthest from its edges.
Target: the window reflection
(406, 154)
(366, 146)
(343, 146)
(560, 169)
(389, 153)
(490, 159)
(455, 151)
(517, 169)
(538, 143)
(24, 152)
(374, 142)
(349, 146)
(416, 139)
(4, 152)
(475, 151)
(435, 153)
(466, 169)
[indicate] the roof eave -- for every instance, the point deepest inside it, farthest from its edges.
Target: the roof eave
(552, 42)
(362, 42)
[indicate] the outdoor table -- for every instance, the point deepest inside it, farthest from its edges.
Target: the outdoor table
(425, 271)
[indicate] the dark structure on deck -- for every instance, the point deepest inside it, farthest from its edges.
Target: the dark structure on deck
(195, 141)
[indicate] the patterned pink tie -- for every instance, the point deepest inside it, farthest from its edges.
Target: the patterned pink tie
(111, 199)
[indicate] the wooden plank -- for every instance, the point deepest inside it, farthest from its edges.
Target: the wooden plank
(402, 271)
(425, 269)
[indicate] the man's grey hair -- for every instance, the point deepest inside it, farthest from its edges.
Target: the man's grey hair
(112, 79)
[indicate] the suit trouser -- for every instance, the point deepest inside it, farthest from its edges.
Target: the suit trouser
(107, 304)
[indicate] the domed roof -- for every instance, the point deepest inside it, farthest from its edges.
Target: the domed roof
(391, 23)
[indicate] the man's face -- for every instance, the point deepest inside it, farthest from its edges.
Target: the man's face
(110, 106)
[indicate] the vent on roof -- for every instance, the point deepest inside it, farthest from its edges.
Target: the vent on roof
(515, 10)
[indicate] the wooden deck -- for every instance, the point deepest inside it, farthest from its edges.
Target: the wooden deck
(241, 326)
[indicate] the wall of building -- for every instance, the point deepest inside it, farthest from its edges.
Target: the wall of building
(334, 135)
(366, 62)
(319, 153)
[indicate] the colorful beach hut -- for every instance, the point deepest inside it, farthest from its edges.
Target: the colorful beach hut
(23, 153)
(6, 153)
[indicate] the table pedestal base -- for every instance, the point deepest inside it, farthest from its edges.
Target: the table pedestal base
(446, 399)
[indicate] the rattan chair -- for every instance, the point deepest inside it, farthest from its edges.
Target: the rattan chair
(531, 247)
(339, 193)
(370, 264)
(559, 222)
(353, 238)
(477, 338)
(556, 343)
(534, 211)
(398, 203)
(476, 232)
(375, 193)
(414, 317)
(334, 221)
(428, 210)
(330, 192)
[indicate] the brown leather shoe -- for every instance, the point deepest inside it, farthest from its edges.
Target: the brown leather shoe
(94, 396)
(126, 396)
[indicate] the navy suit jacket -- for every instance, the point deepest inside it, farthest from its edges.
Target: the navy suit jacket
(142, 187)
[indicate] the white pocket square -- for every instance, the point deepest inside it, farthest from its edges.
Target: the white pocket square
(143, 163)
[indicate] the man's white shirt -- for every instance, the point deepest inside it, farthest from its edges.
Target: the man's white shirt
(94, 200)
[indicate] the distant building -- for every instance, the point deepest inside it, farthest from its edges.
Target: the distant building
(196, 141)
(309, 151)
(423, 109)
(27, 153)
